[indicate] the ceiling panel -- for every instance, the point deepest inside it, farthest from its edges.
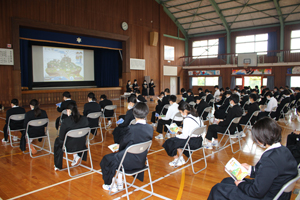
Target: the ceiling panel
(242, 24)
(293, 17)
(288, 10)
(229, 5)
(265, 21)
(235, 11)
(263, 6)
(288, 2)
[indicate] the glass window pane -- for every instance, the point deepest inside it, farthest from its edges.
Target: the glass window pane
(244, 48)
(252, 81)
(248, 38)
(239, 81)
(295, 43)
(265, 81)
(261, 46)
(198, 81)
(213, 42)
(295, 34)
(261, 37)
(196, 44)
(201, 51)
(213, 50)
(295, 81)
(211, 81)
(194, 81)
(203, 43)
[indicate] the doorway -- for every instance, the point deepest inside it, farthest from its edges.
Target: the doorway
(173, 85)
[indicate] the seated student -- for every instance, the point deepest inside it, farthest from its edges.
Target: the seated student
(271, 104)
(145, 89)
(173, 109)
(264, 100)
(119, 132)
(222, 97)
(293, 140)
(297, 97)
(252, 107)
(140, 98)
(285, 99)
(160, 104)
(91, 107)
(200, 106)
(67, 99)
(227, 89)
(201, 93)
(14, 125)
(281, 93)
(72, 122)
(275, 168)
(137, 133)
(236, 91)
(292, 96)
(220, 112)
(212, 132)
(33, 131)
(209, 97)
(106, 102)
(217, 92)
(191, 121)
(129, 86)
(190, 96)
(183, 93)
(276, 92)
(244, 97)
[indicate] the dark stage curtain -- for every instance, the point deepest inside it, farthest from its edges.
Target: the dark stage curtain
(25, 62)
(106, 67)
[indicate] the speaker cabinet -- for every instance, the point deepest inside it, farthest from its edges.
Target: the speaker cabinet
(153, 38)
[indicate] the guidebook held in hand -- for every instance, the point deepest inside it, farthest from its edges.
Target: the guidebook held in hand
(58, 104)
(236, 170)
(114, 147)
(120, 121)
(173, 128)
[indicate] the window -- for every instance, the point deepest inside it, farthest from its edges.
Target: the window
(252, 43)
(295, 81)
(295, 41)
(265, 80)
(239, 81)
(206, 48)
(205, 81)
(252, 81)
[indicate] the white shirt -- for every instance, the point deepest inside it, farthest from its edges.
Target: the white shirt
(189, 125)
(173, 109)
(141, 121)
(217, 94)
(271, 104)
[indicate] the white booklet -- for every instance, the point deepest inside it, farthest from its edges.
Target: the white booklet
(236, 170)
(114, 147)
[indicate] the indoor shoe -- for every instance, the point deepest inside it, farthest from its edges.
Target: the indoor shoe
(33, 150)
(208, 145)
(172, 164)
(109, 123)
(236, 135)
(215, 143)
(160, 136)
(5, 141)
(168, 135)
(15, 138)
(242, 134)
(120, 186)
(76, 161)
(107, 187)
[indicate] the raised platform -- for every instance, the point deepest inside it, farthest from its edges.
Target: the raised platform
(53, 96)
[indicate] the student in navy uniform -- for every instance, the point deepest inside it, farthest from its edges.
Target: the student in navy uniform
(200, 106)
(140, 98)
(33, 131)
(138, 133)
(106, 102)
(220, 112)
(190, 96)
(145, 89)
(214, 129)
(297, 97)
(72, 122)
(223, 97)
(135, 86)
(129, 86)
(14, 125)
(252, 107)
(161, 104)
(275, 168)
(201, 93)
(183, 93)
(67, 99)
(119, 132)
(91, 107)
(285, 99)
(151, 89)
(276, 92)
(244, 97)
(174, 144)
(209, 97)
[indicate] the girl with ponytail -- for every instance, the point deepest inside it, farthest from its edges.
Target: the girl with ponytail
(73, 121)
(33, 131)
(174, 144)
(91, 107)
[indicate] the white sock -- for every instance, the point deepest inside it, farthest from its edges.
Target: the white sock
(119, 180)
(30, 140)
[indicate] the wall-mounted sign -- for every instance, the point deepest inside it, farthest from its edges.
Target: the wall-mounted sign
(204, 72)
(6, 57)
(293, 70)
(251, 71)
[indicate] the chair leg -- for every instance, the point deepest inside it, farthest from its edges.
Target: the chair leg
(192, 163)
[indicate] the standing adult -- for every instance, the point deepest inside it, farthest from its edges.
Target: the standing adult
(145, 89)
(151, 89)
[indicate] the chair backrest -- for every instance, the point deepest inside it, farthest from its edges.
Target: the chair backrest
(132, 122)
(192, 103)
(235, 120)
(274, 109)
(203, 97)
(110, 107)
(139, 148)
(255, 114)
(38, 122)
(212, 101)
(17, 117)
(207, 109)
(199, 130)
(246, 103)
(77, 133)
(94, 115)
(289, 186)
(166, 106)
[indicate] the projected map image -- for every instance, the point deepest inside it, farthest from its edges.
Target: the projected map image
(62, 64)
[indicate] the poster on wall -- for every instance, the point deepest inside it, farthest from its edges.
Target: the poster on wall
(204, 72)
(251, 71)
(293, 70)
(169, 53)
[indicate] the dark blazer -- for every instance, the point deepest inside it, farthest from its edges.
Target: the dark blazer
(221, 112)
(141, 99)
(200, 107)
(208, 98)
(144, 90)
(184, 95)
(275, 168)
(64, 106)
(91, 107)
(276, 93)
(190, 98)
(106, 102)
(134, 86)
(282, 103)
(15, 124)
(151, 89)
(128, 118)
(201, 94)
(252, 107)
(221, 100)
(225, 104)
(235, 111)
(128, 89)
(244, 99)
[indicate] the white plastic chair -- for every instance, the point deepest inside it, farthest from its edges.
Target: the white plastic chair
(18, 117)
(77, 133)
(133, 149)
(106, 108)
(197, 131)
(96, 115)
(289, 186)
(37, 123)
(227, 132)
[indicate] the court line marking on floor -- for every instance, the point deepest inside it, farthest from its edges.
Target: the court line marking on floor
(10, 155)
(179, 195)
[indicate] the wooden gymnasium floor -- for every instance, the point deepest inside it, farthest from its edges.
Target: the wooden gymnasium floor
(25, 178)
